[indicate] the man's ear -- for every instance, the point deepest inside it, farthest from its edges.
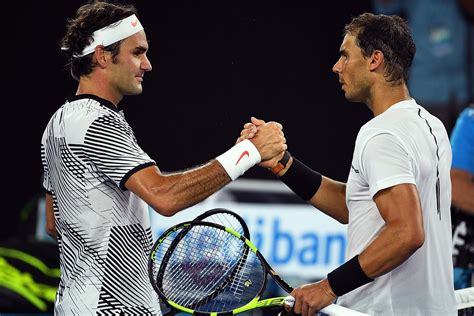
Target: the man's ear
(101, 55)
(376, 60)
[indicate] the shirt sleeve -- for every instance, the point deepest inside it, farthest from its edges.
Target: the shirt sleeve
(462, 142)
(46, 178)
(111, 146)
(385, 163)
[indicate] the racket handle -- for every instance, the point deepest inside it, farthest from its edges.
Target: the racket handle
(332, 309)
(288, 304)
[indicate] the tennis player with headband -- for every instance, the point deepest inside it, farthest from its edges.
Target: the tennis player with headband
(397, 198)
(98, 180)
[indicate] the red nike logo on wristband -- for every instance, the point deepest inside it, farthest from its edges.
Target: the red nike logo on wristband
(134, 23)
(242, 156)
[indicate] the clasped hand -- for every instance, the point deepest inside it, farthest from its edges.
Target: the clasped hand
(269, 139)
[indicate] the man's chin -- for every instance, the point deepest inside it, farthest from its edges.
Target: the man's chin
(136, 91)
(348, 97)
(351, 98)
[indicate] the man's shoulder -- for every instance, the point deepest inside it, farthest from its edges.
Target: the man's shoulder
(75, 117)
(374, 127)
(86, 111)
(89, 104)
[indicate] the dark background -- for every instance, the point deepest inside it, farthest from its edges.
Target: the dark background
(215, 64)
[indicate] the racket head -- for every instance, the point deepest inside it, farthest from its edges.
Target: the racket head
(233, 220)
(227, 218)
(203, 272)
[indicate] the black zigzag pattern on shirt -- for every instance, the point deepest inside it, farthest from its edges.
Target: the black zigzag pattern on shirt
(113, 307)
(46, 178)
(126, 263)
(64, 171)
(91, 210)
(111, 145)
(80, 251)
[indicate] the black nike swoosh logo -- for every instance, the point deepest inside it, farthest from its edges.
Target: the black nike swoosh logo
(355, 170)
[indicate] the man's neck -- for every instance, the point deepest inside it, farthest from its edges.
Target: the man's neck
(384, 97)
(99, 88)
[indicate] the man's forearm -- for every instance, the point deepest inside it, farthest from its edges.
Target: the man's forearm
(331, 200)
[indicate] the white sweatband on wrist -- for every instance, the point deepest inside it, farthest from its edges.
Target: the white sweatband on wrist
(239, 158)
(113, 33)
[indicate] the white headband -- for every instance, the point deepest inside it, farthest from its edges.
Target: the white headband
(113, 33)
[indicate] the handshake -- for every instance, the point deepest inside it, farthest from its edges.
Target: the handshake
(268, 138)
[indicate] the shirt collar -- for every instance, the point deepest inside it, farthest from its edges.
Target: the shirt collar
(405, 104)
(102, 101)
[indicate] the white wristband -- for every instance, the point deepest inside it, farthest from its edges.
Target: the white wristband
(239, 158)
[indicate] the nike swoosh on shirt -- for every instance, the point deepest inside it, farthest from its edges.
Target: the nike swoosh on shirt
(355, 170)
(245, 153)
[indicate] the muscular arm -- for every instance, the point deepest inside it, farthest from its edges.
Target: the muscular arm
(168, 194)
(50, 223)
(402, 234)
(330, 198)
(463, 190)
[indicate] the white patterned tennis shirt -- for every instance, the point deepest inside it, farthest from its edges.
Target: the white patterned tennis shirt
(88, 152)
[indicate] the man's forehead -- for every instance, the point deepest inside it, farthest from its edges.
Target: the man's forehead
(348, 42)
(137, 40)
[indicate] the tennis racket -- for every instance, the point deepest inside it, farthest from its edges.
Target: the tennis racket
(221, 216)
(212, 270)
(226, 218)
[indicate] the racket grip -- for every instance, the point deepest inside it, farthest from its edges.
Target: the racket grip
(288, 304)
(331, 309)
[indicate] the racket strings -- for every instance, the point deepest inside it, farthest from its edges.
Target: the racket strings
(234, 286)
(226, 220)
(195, 262)
(188, 280)
(245, 285)
(244, 272)
(209, 268)
(229, 220)
(184, 261)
